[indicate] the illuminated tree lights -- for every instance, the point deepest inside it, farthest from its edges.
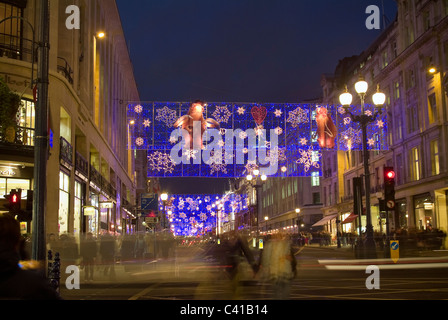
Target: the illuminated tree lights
(227, 139)
(194, 215)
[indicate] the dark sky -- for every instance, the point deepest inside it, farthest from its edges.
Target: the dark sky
(242, 50)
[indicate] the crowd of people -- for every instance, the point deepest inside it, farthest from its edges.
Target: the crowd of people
(104, 251)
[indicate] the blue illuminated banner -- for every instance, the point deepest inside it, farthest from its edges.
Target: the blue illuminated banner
(231, 139)
(193, 215)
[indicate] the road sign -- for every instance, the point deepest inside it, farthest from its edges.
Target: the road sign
(149, 202)
(151, 219)
(390, 204)
(395, 250)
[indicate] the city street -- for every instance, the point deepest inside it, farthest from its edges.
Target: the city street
(190, 277)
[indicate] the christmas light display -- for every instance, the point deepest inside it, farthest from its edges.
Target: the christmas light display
(230, 139)
(194, 215)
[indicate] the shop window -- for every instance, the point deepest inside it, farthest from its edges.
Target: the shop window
(64, 201)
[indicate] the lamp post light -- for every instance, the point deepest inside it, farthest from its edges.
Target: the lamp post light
(266, 218)
(164, 198)
(298, 214)
(363, 119)
(256, 180)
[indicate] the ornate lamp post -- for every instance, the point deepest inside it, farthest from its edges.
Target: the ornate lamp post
(164, 198)
(256, 181)
(363, 119)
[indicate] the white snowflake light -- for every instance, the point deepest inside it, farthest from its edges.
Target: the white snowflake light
(159, 161)
(138, 109)
(278, 113)
(241, 111)
(167, 116)
(297, 117)
(222, 114)
(309, 158)
(146, 123)
(139, 141)
(278, 131)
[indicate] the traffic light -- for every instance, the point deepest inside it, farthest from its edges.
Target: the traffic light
(27, 214)
(14, 201)
(389, 187)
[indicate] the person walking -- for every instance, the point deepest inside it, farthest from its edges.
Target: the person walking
(278, 265)
(88, 255)
(16, 283)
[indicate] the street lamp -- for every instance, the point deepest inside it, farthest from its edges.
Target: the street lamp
(164, 198)
(257, 182)
(379, 99)
(298, 213)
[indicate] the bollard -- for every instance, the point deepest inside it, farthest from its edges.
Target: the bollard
(54, 271)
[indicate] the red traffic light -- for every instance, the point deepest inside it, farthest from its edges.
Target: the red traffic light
(390, 174)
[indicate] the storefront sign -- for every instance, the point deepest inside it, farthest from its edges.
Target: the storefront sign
(8, 172)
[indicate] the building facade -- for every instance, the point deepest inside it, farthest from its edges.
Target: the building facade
(409, 61)
(92, 177)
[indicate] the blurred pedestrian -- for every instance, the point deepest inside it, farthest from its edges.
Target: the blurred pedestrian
(140, 247)
(278, 266)
(16, 283)
(88, 255)
(107, 252)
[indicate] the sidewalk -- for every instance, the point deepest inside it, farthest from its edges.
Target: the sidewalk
(347, 252)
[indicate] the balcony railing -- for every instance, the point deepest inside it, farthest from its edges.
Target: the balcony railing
(81, 165)
(21, 137)
(65, 69)
(18, 48)
(66, 153)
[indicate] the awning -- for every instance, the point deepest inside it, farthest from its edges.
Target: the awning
(324, 220)
(350, 218)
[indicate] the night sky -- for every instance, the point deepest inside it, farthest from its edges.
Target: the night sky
(242, 50)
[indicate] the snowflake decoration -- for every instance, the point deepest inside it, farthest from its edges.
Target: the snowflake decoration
(380, 123)
(368, 113)
(309, 158)
(241, 111)
(138, 109)
(351, 137)
(203, 216)
(173, 140)
(275, 155)
(222, 114)
(159, 161)
(251, 165)
(139, 141)
(218, 168)
(371, 142)
(303, 141)
(278, 113)
(190, 153)
(278, 131)
(146, 123)
(243, 135)
(297, 117)
(182, 215)
(166, 115)
(259, 130)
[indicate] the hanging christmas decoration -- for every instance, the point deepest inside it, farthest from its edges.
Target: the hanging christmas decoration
(247, 132)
